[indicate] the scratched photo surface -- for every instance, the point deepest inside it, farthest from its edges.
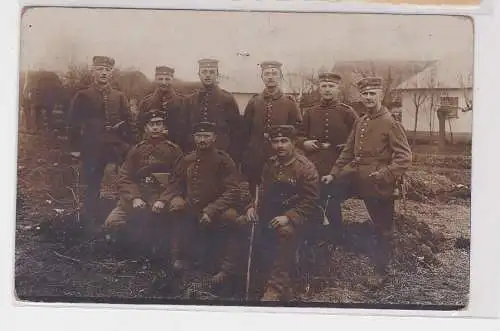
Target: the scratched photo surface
(244, 158)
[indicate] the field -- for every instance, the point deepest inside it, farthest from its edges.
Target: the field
(55, 262)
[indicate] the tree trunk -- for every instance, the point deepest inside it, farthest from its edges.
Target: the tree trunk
(451, 132)
(415, 128)
(442, 133)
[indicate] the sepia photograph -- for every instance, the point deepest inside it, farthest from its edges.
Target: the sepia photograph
(244, 158)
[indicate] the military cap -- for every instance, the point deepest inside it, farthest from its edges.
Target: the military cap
(204, 127)
(369, 83)
(99, 60)
(208, 63)
(270, 64)
(153, 114)
(329, 77)
(164, 70)
(282, 131)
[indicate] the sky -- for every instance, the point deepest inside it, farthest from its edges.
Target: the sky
(52, 38)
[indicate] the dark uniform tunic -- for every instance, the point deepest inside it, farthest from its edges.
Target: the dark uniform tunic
(145, 175)
(94, 111)
(377, 143)
(176, 118)
(329, 123)
(218, 106)
(290, 189)
(210, 183)
(136, 179)
(262, 112)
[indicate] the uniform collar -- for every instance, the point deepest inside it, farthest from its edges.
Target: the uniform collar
(380, 112)
(328, 104)
(275, 96)
(207, 152)
(155, 140)
(211, 89)
(287, 163)
(105, 89)
(168, 93)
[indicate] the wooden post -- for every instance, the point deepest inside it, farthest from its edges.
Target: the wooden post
(441, 113)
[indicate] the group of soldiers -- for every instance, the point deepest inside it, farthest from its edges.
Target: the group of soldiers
(203, 174)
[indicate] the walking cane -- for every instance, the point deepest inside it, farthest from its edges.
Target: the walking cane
(75, 166)
(250, 249)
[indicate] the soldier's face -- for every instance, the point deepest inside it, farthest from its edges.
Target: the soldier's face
(329, 90)
(271, 77)
(155, 126)
(372, 99)
(208, 76)
(102, 74)
(204, 140)
(282, 146)
(163, 81)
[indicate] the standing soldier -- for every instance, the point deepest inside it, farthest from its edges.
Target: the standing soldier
(171, 104)
(206, 199)
(143, 177)
(264, 110)
(290, 193)
(99, 130)
(324, 131)
(213, 104)
(375, 155)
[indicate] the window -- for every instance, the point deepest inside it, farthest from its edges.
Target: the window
(452, 103)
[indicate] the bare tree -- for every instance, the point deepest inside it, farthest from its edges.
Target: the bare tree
(465, 81)
(418, 97)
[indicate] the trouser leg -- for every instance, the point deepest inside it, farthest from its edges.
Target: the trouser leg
(159, 232)
(263, 257)
(382, 214)
(117, 217)
(235, 248)
(93, 173)
(280, 284)
(181, 236)
(332, 197)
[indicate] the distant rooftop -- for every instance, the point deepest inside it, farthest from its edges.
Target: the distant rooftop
(451, 73)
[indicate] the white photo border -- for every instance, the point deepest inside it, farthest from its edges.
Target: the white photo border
(485, 250)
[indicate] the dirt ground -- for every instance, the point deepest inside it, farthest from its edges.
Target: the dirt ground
(53, 262)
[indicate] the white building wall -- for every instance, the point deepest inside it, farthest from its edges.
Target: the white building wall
(242, 100)
(428, 120)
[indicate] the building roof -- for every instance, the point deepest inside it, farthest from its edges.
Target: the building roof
(452, 73)
(245, 77)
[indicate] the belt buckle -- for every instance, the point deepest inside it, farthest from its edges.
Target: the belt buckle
(148, 180)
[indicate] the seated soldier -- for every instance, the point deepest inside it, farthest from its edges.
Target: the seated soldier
(207, 197)
(289, 199)
(141, 179)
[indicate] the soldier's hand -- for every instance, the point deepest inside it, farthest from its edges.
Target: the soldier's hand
(285, 231)
(205, 219)
(252, 214)
(279, 221)
(138, 203)
(377, 175)
(242, 220)
(327, 179)
(311, 145)
(75, 154)
(158, 206)
(177, 204)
